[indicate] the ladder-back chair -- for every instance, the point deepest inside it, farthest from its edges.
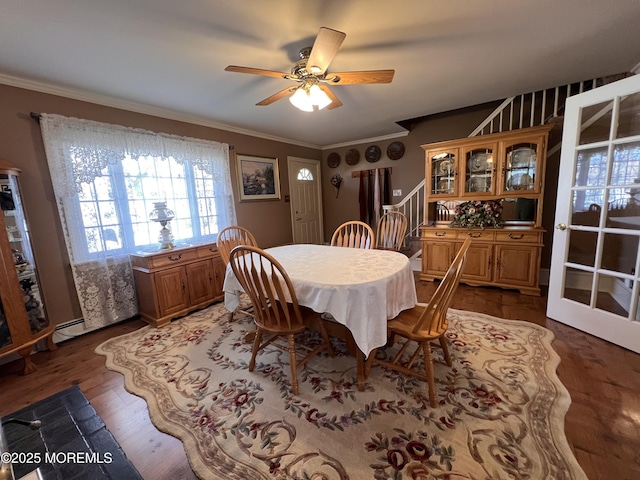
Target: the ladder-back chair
(353, 234)
(391, 231)
(422, 324)
(228, 239)
(276, 311)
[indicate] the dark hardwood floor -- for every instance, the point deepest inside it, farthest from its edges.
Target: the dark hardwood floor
(602, 424)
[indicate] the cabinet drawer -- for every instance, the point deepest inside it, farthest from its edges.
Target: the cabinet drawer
(521, 237)
(484, 235)
(439, 233)
(206, 251)
(172, 258)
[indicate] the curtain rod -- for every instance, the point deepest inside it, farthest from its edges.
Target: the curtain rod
(360, 173)
(37, 116)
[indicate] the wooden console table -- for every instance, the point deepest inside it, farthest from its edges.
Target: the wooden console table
(172, 283)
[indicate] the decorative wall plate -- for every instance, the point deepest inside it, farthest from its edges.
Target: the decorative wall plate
(352, 156)
(333, 160)
(520, 181)
(446, 166)
(522, 157)
(444, 186)
(479, 162)
(479, 184)
(372, 153)
(395, 150)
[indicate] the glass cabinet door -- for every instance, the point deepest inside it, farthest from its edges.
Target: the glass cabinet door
(442, 173)
(18, 234)
(479, 170)
(520, 169)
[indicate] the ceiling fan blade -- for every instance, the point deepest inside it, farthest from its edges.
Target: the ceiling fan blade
(256, 71)
(324, 49)
(335, 102)
(277, 96)
(356, 78)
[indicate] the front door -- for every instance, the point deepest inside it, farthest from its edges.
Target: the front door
(595, 262)
(306, 200)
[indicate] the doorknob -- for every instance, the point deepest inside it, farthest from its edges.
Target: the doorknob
(561, 226)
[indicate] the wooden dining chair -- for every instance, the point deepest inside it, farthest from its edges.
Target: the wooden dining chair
(353, 234)
(275, 306)
(228, 239)
(231, 237)
(391, 231)
(422, 324)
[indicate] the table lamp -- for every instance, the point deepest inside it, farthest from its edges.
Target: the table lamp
(163, 215)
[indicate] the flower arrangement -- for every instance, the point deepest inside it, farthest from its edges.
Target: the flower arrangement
(478, 214)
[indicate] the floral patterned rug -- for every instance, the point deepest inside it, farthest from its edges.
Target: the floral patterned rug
(500, 415)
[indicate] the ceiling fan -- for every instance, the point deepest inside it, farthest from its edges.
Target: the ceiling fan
(310, 72)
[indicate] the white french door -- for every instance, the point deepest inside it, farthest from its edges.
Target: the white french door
(595, 262)
(306, 200)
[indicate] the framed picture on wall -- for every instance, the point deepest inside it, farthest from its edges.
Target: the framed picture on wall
(258, 178)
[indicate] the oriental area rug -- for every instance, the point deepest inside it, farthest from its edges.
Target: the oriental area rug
(500, 414)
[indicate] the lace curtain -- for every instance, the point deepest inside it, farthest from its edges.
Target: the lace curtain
(78, 152)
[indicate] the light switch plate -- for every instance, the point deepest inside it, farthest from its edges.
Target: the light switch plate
(397, 193)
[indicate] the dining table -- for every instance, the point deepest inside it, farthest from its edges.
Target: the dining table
(359, 290)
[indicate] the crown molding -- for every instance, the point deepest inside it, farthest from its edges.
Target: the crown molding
(366, 140)
(108, 101)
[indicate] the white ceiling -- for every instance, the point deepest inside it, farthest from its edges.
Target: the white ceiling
(447, 54)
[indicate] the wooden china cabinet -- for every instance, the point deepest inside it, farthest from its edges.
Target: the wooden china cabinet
(23, 321)
(508, 167)
(172, 283)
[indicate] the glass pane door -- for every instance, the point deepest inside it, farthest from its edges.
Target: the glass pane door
(479, 170)
(595, 259)
(520, 168)
(443, 173)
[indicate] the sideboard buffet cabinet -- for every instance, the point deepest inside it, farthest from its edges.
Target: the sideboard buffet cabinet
(171, 283)
(23, 320)
(506, 167)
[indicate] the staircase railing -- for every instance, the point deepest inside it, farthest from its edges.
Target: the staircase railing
(521, 111)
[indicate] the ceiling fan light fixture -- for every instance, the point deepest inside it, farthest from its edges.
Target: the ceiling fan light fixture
(307, 97)
(319, 97)
(301, 100)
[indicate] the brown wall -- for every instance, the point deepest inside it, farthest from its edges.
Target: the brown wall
(21, 144)
(407, 171)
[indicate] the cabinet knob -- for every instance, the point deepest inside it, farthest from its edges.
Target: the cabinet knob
(175, 259)
(475, 235)
(516, 237)
(440, 234)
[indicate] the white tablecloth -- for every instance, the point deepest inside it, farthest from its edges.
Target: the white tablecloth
(361, 289)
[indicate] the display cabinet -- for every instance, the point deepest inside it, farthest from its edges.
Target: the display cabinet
(23, 320)
(507, 167)
(172, 283)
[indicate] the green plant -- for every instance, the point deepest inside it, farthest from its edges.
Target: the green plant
(478, 214)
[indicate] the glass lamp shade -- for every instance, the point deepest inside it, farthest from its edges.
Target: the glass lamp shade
(163, 215)
(319, 97)
(305, 98)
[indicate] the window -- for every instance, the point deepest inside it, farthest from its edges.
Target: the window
(113, 222)
(106, 179)
(305, 175)
(592, 172)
